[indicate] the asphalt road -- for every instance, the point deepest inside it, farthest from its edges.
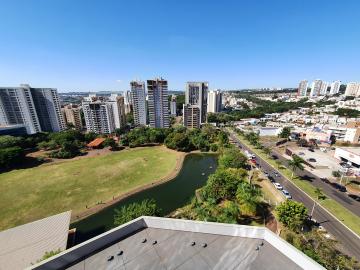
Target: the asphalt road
(349, 240)
(341, 197)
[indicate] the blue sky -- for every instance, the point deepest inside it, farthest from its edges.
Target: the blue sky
(77, 45)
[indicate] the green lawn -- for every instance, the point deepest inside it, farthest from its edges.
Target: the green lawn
(31, 194)
(348, 218)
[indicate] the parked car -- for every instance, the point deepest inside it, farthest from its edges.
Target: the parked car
(301, 153)
(276, 174)
(272, 180)
(325, 180)
(345, 165)
(354, 197)
(278, 186)
(312, 160)
(338, 187)
(266, 173)
(286, 194)
(311, 150)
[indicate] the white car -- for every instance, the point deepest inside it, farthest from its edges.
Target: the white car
(278, 186)
(286, 194)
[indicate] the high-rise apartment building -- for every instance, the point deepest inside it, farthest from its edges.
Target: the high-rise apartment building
(118, 107)
(302, 90)
(214, 101)
(72, 115)
(323, 88)
(138, 98)
(335, 87)
(128, 102)
(315, 88)
(352, 89)
(191, 116)
(38, 109)
(99, 115)
(196, 94)
(158, 103)
(173, 105)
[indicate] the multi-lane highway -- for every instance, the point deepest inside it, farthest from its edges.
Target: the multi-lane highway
(349, 240)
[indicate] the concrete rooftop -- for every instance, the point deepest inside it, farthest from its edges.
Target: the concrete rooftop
(161, 243)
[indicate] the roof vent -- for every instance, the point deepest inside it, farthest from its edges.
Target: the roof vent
(144, 240)
(110, 258)
(204, 245)
(192, 244)
(154, 242)
(257, 248)
(262, 243)
(120, 253)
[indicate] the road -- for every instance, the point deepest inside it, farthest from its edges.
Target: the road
(338, 196)
(349, 240)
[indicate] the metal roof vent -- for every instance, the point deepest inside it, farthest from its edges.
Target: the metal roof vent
(257, 248)
(262, 243)
(204, 245)
(110, 258)
(192, 244)
(144, 240)
(154, 242)
(120, 253)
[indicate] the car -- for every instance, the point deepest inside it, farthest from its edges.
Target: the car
(286, 194)
(266, 173)
(325, 180)
(312, 160)
(272, 180)
(301, 154)
(345, 165)
(354, 197)
(338, 187)
(311, 150)
(276, 174)
(278, 186)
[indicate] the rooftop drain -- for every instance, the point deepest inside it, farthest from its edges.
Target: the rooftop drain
(204, 245)
(192, 244)
(144, 240)
(120, 253)
(110, 258)
(154, 242)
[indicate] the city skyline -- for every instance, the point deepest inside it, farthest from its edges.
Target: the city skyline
(239, 45)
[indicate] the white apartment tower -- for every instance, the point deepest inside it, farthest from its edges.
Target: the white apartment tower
(335, 87)
(36, 108)
(71, 114)
(118, 107)
(128, 102)
(196, 94)
(214, 101)
(191, 116)
(158, 103)
(138, 98)
(173, 105)
(323, 89)
(352, 89)
(315, 88)
(302, 90)
(99, 115)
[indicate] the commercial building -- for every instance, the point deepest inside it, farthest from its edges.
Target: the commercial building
(352, 135)
(164, 243)
(38, 109)
(72, 115)
(196, 95)
(214, 101)
(128, 102)
(315, 88)
(138, 99)
(335, 87)
(158, 103)
(99, 115)
(302, 90)
(352, 89)
(25, 245)
(191, 116)
(348, 154)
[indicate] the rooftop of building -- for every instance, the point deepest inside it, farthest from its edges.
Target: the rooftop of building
(96, 142)
(354, 150)
(163, 243)
(25, 245)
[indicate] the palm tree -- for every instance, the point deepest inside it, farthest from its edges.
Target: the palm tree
(319, 193)
(295, 163)
(267, 151)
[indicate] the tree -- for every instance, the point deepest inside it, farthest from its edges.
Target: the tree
(292, 214)
(127, 213)
(223, 184)
(267, 151)
(10, 156)
(10, 141)
(248, 197)
(90, 136)
(336, 174)
(319, 194)
(111, 143)
(285, 133)
(332, 139)
(232, 158)
(295, 163)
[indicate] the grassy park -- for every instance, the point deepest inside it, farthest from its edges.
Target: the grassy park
(31, 194)
(348, 218)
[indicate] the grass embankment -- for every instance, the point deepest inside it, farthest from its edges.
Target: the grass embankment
(31, 194)
(348, 218)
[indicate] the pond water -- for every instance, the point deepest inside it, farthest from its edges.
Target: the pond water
(169, 196)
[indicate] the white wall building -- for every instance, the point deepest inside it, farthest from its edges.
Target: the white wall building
(118, 107)
(158, 103)
(214, 101)
(335, 87)
(139, 102)
(352, 89)
(315, 88)
(302, 90)
(348, 154)
(323, 89)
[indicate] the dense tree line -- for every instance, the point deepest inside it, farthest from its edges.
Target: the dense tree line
(10, 151)
(347, 112)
